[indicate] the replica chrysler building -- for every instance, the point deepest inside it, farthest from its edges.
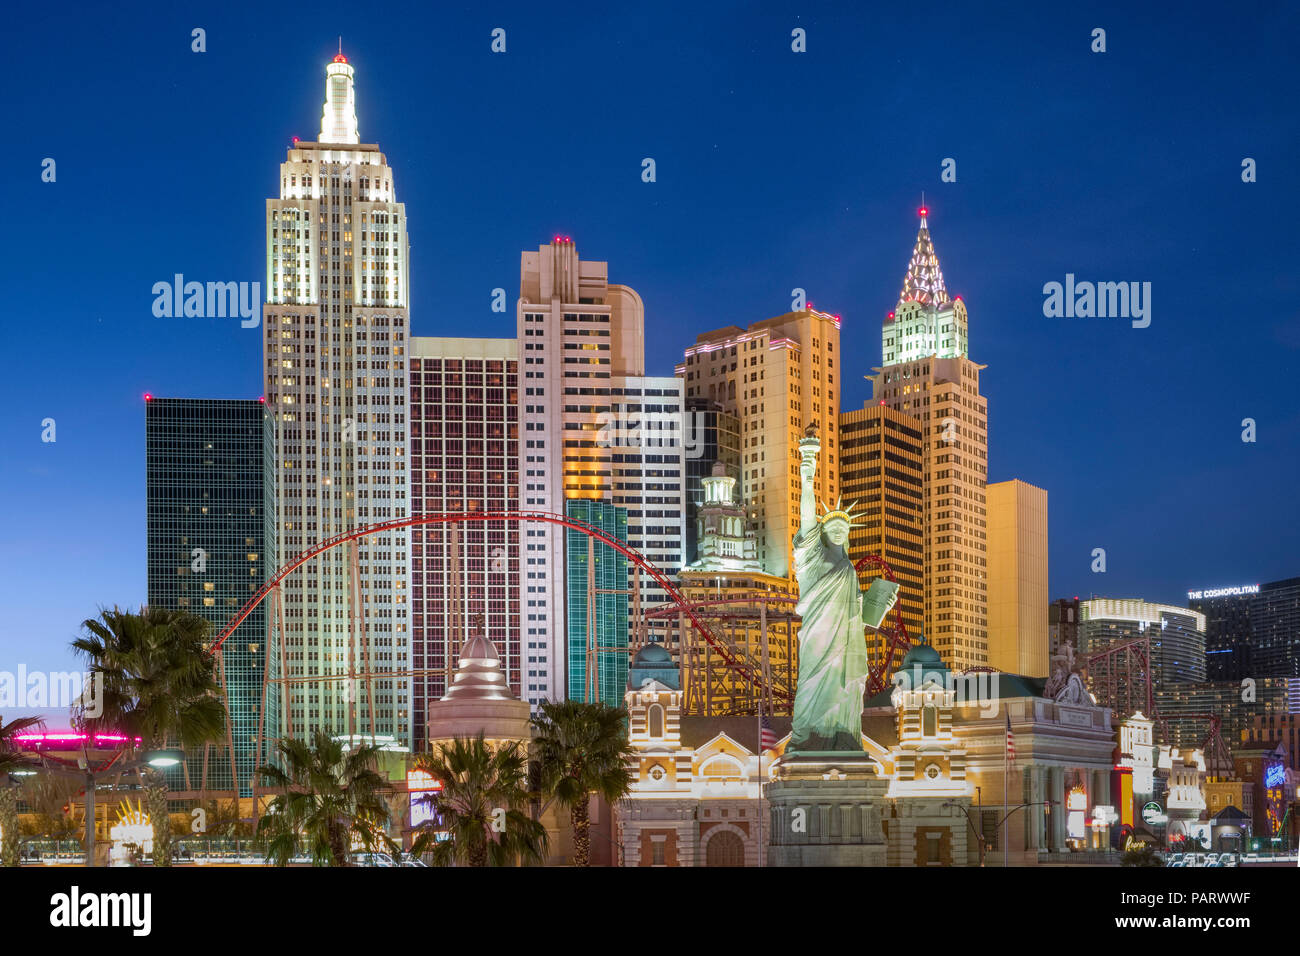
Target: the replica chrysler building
(335, 324)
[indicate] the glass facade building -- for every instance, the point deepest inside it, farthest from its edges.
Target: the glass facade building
(596, 579)
(211, 545)
(1251, 631)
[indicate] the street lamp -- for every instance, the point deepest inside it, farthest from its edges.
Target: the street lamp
(162, 759)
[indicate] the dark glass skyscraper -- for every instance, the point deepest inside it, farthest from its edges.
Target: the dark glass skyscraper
(211, 544)
(1251, 631)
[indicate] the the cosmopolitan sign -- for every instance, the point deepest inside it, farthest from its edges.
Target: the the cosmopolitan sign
(1222, 592)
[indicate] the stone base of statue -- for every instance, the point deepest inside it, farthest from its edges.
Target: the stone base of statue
(826, 810)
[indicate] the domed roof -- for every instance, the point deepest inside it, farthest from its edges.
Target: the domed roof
(653, 663)
(922, 654)
(479, 675)
(920, 665)
(652, 654)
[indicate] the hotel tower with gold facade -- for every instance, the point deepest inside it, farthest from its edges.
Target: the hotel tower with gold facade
(777, 377)
(335, 333)
(927, 374)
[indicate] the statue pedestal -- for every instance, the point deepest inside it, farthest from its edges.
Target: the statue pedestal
(825, 810)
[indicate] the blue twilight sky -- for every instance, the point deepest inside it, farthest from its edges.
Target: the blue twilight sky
(775, 170)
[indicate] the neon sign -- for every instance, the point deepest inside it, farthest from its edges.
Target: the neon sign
(1274, 775)
(1222, 592)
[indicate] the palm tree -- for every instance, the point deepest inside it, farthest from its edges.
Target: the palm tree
(11, 758)
(481, 806)
(53, 800)
(159, 685)
(327, 793)
(582, 749)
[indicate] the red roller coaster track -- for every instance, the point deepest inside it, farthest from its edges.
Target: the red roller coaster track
(514, 517)
(897, 635)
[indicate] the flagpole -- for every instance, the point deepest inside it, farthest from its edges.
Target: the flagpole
(1006, 836)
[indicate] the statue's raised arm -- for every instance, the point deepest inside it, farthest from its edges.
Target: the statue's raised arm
(809, 447)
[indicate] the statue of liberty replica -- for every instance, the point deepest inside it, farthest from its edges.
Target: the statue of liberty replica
(833, 667)
(826, 801)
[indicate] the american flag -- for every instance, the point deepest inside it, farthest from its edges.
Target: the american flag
(1011, 741)
(767, 736)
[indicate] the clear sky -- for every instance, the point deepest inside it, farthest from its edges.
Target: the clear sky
(775, 170)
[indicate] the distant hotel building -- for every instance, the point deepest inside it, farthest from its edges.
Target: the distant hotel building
(1252, 630)
(1017, 578)
(211, 543)
(464, 445)
(335, 336)
(1177, 636)
(595, 427)
(777, 377)
(882, 471)
(927, 374)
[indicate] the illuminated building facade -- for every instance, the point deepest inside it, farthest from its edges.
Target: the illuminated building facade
(1251, 630)
(926, 373)
(595, 428)
(211, 540)
(697, 800)
(777, 377)
(335, 335)
(1017, 577)
(464, 450)
(882, 469)
(1177, 635)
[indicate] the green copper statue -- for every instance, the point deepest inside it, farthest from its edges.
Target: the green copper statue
(833, 666)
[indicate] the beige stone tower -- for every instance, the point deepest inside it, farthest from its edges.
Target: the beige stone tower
(928, 375)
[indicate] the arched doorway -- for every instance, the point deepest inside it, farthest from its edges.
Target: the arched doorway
(724, 849)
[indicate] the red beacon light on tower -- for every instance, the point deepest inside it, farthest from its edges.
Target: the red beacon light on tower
(924, 211)
(148, 396)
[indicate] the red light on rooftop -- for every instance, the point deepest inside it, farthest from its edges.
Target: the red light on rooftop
(262, 399)
(340, 58)
(148, 397)
(924, 211)
(295, 139)
(891, 315)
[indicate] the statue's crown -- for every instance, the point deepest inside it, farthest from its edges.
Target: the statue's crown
(839, 511)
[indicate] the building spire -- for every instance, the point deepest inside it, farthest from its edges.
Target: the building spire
(338, 122)
(924, 282)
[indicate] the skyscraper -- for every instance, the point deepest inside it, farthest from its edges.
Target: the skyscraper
(464, 424)
(595, 427)
(596, 610)
(882, 470)
(777, 377)
(1251, 630)
(1017, 578)
(335, 331)
(211, 543)
(1177, 635)
(927, 374)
